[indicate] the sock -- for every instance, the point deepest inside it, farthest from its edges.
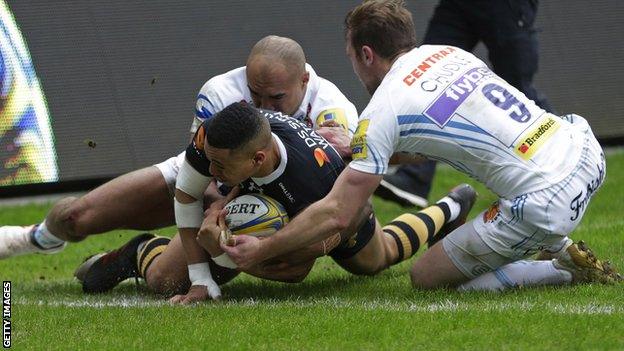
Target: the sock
(411, 231)
(148, 251)
(453, 206)
(518, 274)
(44, 239)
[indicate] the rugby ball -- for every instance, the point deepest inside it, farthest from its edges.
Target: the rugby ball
(255, 214)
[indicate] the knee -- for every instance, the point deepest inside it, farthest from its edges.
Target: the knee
(165, 283)
(63, 218)
(420, 280)
(369, 268)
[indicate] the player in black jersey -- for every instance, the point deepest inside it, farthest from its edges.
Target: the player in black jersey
(262, 151)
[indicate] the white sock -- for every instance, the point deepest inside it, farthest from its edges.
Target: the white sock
(140, 247)
(453, 206)
(557, 249)
(518, 274)
(44, 238)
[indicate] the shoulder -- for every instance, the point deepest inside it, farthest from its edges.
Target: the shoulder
(325, 93)
(226, 88)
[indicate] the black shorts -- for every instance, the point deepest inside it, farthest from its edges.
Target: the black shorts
(354, 244)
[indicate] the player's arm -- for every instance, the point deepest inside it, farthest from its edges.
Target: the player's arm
(316, 223)
(191, 182)
(280, 271)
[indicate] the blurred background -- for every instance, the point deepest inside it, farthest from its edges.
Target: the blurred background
(93, 89)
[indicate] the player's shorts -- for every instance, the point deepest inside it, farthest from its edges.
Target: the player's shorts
(357, 242)
(169, 169)
(513, 229)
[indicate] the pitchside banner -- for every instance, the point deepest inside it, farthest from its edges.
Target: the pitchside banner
(27, 153)
(93, 89)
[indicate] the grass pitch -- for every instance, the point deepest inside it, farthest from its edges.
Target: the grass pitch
(330, 310)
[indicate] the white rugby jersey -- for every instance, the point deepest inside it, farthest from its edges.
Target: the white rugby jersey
(444, 103)
(322, 101)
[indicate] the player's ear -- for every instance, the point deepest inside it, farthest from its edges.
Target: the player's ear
(305, 78)
(367, 55)
(259, 158)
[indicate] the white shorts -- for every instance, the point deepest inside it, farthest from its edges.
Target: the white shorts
(170, 168)
(519, 227)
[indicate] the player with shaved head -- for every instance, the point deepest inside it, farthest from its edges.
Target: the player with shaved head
(276, 74)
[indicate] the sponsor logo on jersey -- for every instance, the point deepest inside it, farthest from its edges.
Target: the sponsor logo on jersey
(286, 192)
(491, 214)
(253, 188)
(321, 157)
(358, 143)
(427, 64)
(531, 141)
(444, 107)
(336, 114)
(580, 201)
(309, 136)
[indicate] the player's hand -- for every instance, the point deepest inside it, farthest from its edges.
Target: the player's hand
(218, 204)
(214, 224)
(197, 293)
(336, 135)
(208, 234)
(244, 250)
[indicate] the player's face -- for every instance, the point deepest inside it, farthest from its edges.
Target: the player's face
(360, 68)
(276, 88)
(229, 166)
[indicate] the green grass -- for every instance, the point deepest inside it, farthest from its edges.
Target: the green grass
(330, 310)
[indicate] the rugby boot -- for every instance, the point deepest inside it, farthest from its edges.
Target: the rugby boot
(19, 240)
(104, 271)
(585, 267)
(465, 195)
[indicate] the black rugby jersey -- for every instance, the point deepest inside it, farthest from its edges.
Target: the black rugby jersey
(312, 164)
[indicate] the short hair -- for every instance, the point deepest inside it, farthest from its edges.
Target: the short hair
(281, 49)
(384, 25)
(236, 127)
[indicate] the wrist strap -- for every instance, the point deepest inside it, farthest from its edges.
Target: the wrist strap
(199, 274)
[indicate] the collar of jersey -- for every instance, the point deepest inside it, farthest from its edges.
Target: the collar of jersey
(280, 169)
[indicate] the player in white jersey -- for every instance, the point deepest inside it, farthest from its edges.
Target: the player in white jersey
(143, 199)
(443, 103)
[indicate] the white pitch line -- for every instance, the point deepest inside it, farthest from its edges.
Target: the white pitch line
(335, 303)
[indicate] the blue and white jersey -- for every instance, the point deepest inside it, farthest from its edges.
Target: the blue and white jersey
(322, 101)
(446, 104)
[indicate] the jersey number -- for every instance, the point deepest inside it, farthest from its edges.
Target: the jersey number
(503, 99)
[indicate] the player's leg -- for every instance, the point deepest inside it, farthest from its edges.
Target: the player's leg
(465, 261)
(489, 252)
(452, 24)
(158, 260)
(375, 248)
(137, 200)
(167, 273)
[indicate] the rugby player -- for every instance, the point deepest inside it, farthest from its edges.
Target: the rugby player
(276, 77)
(444, 103)
(278, 156)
